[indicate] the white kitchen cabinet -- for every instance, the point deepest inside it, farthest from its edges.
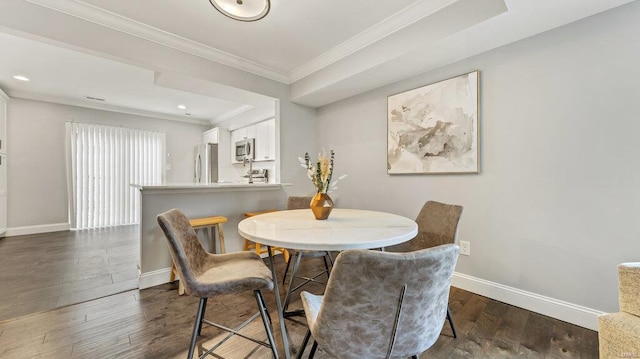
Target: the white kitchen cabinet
(236, 135)
(244, 133)
(265, 140)
(251, 132)
(264, 134)
(211, 136)
(262, 142)
(272, 139)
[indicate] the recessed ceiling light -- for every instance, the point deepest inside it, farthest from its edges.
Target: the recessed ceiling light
(182, 107)
(21, 78)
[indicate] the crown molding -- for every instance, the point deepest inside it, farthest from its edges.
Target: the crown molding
(132, 27)
(396, 22)
(403, 18)
(3, 95)
(231, 113)
(103, 107)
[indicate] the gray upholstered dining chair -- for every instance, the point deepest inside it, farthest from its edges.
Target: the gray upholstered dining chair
(437, 224)
(381, 304)
(206, 275)
(302, 202)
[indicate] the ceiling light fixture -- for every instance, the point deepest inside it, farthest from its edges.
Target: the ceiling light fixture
(21, 78)
(182, 107)
(243, 10)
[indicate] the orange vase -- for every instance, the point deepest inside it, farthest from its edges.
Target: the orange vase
(321, 205)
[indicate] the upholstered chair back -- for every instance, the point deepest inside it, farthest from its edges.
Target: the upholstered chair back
(296, 202)
(185, 248)
(370, 293)
(437, 225)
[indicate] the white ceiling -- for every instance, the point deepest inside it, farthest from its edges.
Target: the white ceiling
(293, 33)
(326, 50)
(66, 76)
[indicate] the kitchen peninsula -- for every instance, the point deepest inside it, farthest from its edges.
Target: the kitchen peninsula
(231, 200)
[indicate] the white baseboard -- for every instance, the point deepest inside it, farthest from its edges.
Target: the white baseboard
(42, 228)
(154, 278)
(555, 308)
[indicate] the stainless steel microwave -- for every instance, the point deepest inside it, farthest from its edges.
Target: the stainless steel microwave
(245, 149)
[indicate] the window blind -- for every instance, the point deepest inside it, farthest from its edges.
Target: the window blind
(104, 161)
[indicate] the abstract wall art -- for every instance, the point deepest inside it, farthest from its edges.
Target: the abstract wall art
(434, 129)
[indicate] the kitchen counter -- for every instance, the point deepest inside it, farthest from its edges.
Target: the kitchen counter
(208, 187)
(229, 199)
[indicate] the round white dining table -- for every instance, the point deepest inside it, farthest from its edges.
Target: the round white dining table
(344, 229)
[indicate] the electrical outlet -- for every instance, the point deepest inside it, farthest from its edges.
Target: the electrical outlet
(465, 248)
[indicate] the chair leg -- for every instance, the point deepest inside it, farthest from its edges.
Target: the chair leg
(247, 245)
(173, 273)
(180, 287)
(286, 255)
(286, 269)
(453, 328)
(204, 310)
(303, 346)
(330, 258)
(266, 320)
(223, 249)
(173, 277)
(212, 234)
(264, 304)
(257, 245)
(314, 347)
(287, 299)
(326, 265)
(196, 327)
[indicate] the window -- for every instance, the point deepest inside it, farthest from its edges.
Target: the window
(103, 162)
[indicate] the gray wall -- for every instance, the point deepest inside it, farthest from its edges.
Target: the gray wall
(297, 136)
(554, 208)
(37, 181)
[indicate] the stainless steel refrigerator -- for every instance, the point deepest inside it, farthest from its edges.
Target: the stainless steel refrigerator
(205, 169)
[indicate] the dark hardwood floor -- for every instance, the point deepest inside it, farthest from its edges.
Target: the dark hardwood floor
(41, 272)
(157, 323)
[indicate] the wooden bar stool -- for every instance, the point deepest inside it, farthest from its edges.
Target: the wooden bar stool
(212, 223)
(248, 245)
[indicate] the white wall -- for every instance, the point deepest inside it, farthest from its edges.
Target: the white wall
(37, 180)
(555, 206)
